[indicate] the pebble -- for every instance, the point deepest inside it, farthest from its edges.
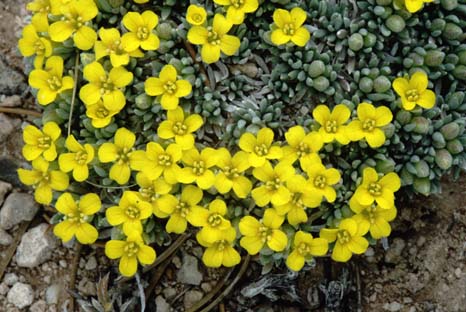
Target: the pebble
(189, 271)
(36, 246)
(458, 272)
(10, 279)
(5, 238)
(191, 297)
(52, 294)
(206, 287)
(169, 292)
(393, 254)
(4, 188)
(161, 304)
(176, 262)
(11, 101)
(392, 307)
(87, 288)
(63, 263)
(6, 127)
(39, 306)
(18, 207)
(4, 289)
(91, 264)
(20, 295)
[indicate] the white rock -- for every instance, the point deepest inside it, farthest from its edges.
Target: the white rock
(20, 295)
(91, 264)
(161, 304)
(52, 294)
(36, 246)
(189, 271)
(4, 188)
(3, 289)
(393, 306)
(5, 238)
(191, 297)
(18, 207)
(11, 101)
(10, 279)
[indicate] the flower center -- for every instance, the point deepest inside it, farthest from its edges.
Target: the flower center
(76, 217)
(303, 149)
(230, 172)
(148, 193)
(237, 3)
(123, 156)
(131, 249)
(331, 126)
(142, 33)
(132, 212)
(54, 83)
(212, 36)
(75, 21)
(165, 160)
(372, 213)
(182, 208)
(343, 236)
(412, 95)
(261, 150)
(368, 125)
(221, 245)
(265, 233)
(198, 18)
(39, 47)
(296, 200)
(320, 181)
(107, 85)
(214, 220)
(81, 157)
(288, 29)
(303, 249)
(44, 142)
(199, 167)
(179, 128)
(102, 112)
(170, 87)
(375, 189)
(273, 184)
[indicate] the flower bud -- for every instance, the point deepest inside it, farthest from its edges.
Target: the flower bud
(443, 159)
(385, 166)
(403, 117)
(460, 72)
(422, 185)
(164, 31)
(449, 4)
(450, 131)
(438, 141)
(438, 24)
(422, 169)
(366, 84)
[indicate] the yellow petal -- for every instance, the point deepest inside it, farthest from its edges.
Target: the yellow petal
(65, 230)
(277, 241)
(252, 244)
(86, 233)
(114, 249)
(146, 255)
(295, 261)
(90, 204)
(229, 44)
(128, 266)
(85, 38)
(341, 253)
(281, 17)
(301, 37)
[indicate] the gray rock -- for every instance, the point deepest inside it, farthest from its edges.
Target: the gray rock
(18, 207)
(6, 127)
(161, 304)
(189, 271)
(36, 246)
(191, 297)
(11, 101)
(52, 294)
(5, 238)
(169, 292)
(11, 81)
(20, 295)
(10, 279)
(4, 289)
(4, 188)
(393, 254)
(91, 264)
(87, 288)
(39, 306)
(393, 306)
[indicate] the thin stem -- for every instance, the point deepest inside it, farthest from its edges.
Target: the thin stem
(19, 111)
(75, 88)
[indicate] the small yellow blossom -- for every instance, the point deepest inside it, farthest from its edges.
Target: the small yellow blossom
(221, 251)
(265, 232)
(130, 251)
(181, 210)
(140, 33)
(41, 143)
(168, 87)
(414, 91)
(198, 167)
(289, 27)
(273, 188)
(196, 15)
(237, 9)
(106, 87)
(231, 175)
(43, 180)
(214, 39)
(415, 5)
(367, 126)
(76, 17)
(180, 128)
(77, 217)
(131, 210)
(141, 1)
(50, 80)
(100, 115)
(151, 190)
(373, 189)
(259, 149)
(110, 44)
(375, 216)
(349, 239)
(41, 10)
(305, 247)
(32, 44)
(120, 153)
(212, 221)
(78, 160)
(332, 123)
(301, 145)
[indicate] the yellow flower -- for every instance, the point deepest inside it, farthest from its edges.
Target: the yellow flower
(332, 123)
(181, 210)
(140, 33)
(238, 8)
(260, 149)
(111, 44)
(77, 217)
(130, 251)
(168, 87)
(121, 153)
(57, 6)
(41, 9)
(157, 161)
(151, 190)
(106, 87)
(41, 143)
(379, 190)
(414, 91)
(32, 44)
(76, 16)
(176, 126)
(370, 120)
(415, 5)
(273, 188)
(131, 210)
(349, 239)
(301, 198)
(50, 80)
(375, 216)
(267, 231)
(197, 167)
(288, 27)
(301, 145)
(78, 160)
(100, 115)
(211, 220)
(141, 1)
(321, 180)
(196, 15)
(43, 180)
(304, 248)
(221, 251)
(231, 175)
(214, 39)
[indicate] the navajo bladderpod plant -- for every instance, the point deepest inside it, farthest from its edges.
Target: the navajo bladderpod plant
(274, 130)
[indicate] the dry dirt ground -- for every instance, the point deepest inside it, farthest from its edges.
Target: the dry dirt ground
(423, 268)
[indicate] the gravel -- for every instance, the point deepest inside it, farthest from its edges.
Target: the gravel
(36, 246)
(21, 295)
(18, 207)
